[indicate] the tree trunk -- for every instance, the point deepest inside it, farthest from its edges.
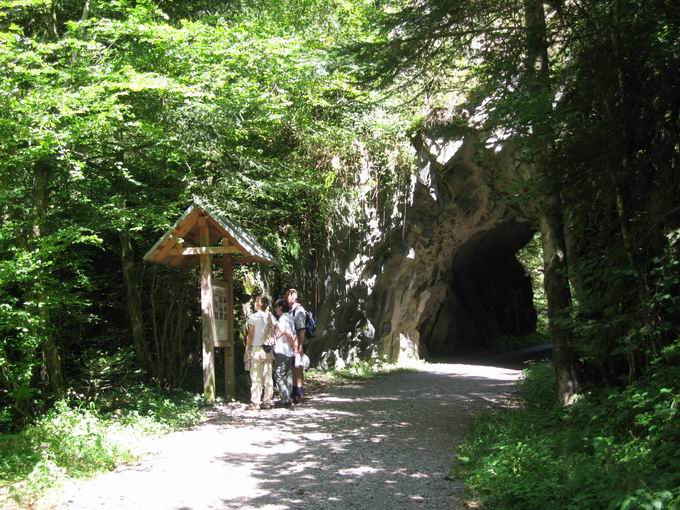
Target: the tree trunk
(52, 372)
(556, 283)
(619, 173)
(86, 11)
(134, 305)
(551, 223)
(52, 21)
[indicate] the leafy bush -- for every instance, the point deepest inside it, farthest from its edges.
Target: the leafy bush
(79, 439)
(169, 411)
(65, 442)
(367, 369)
(613, 449)
(538, 387)
(102, 371)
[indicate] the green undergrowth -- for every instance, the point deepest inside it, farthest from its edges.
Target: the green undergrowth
(77, 439)
(367, 369)
(614, 449)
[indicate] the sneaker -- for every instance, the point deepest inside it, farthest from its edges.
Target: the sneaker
(254, 407)
(280, 405)
(266, 405)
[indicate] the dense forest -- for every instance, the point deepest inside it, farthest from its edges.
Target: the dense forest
(115, 115)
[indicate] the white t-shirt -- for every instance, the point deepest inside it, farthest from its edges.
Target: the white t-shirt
(282, 346)
(259, 321)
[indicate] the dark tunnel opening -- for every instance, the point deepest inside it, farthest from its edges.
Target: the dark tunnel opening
(488, 295)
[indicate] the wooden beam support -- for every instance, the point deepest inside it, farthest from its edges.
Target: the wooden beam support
(205, 250)
(229, 357)
(248, 259)
(177, 233)
(207, 315)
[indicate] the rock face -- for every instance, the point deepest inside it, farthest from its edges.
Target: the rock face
(430, 271)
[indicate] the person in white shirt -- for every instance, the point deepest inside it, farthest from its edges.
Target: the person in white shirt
(284, 353)
(261, 326)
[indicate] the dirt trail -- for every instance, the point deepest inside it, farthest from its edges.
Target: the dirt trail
(382, 444)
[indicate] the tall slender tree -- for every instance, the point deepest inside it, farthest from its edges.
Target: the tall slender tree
(498, 54)
(551, 218)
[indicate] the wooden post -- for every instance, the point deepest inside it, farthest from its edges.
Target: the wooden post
(229, 365)
(207, 314)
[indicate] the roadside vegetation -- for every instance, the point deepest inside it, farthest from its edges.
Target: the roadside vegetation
(362, 370)
(614, 448)
(78, 438)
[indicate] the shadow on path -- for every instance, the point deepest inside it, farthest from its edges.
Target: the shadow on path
(387, 443)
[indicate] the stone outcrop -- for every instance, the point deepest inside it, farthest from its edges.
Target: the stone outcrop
(428, 271)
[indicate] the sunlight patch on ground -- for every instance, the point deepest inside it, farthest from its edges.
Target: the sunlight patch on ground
(485, 372)
(353, 400)
(359, 471)
(317, 436)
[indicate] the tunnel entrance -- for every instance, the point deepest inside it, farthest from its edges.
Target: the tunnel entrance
(486, 294)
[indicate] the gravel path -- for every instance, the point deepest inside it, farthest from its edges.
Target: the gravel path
(387, 443)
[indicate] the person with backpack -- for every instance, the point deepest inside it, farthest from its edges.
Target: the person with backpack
(299, 316)
(284, 353)
(259, 355)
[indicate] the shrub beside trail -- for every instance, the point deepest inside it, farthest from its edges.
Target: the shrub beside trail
(78, 439)
(613, 449)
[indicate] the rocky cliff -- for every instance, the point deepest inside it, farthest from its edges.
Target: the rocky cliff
(428, 268)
